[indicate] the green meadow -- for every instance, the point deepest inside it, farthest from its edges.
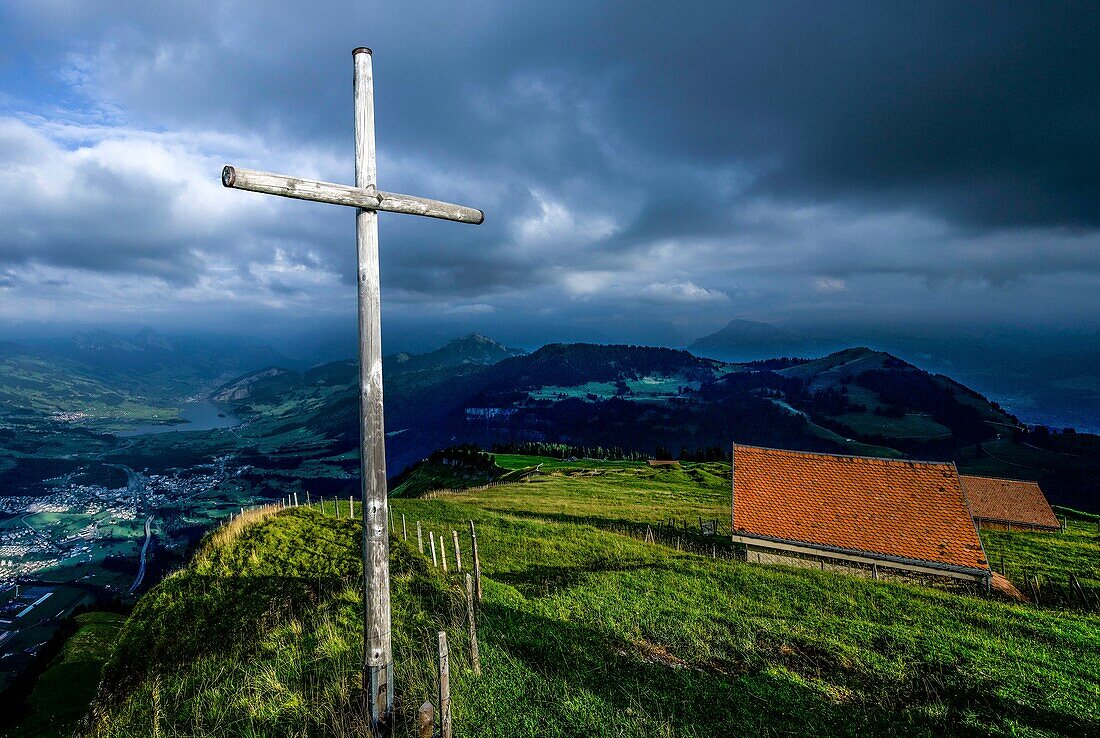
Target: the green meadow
(584, 631)
(1052, 557)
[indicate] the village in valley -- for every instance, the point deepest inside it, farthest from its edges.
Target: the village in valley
(82, 545)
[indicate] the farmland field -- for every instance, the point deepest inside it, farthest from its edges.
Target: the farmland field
(611, 492)
(911, 425)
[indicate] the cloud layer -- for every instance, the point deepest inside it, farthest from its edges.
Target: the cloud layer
(651, 166)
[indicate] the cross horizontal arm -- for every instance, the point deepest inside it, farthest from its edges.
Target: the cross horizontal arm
(338, 194)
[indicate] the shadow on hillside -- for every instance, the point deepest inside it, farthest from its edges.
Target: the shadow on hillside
(759, 696)
(188, 617)
(542, 581)
(604, 522)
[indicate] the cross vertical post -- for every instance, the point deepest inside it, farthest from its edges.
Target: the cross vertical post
(378, 685)
(377, 654)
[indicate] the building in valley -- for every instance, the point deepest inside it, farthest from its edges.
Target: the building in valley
(883, 518)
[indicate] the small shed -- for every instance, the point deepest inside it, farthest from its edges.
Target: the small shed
(1008, 504)
(883, 518)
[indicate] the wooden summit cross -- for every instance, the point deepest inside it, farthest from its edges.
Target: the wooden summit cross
(377, 654)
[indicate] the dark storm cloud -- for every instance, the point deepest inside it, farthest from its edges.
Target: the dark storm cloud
(701, 161)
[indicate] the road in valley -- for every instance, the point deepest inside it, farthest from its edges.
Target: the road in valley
(144, 552)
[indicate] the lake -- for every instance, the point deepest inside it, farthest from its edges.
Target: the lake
(200, 416)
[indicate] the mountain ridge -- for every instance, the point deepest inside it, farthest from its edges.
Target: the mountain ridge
(858, 400)
(746, 340)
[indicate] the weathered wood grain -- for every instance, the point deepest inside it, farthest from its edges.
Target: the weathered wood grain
(477, 560)
(377, 651)
(367, 196)
(471, 618)
(444, 687)
(426, 721)
(458, 551)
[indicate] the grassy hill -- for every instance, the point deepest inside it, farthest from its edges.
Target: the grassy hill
(585, 630)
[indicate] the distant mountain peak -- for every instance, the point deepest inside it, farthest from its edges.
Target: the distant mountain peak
(475, 339)
(745, 340)
(474, 349)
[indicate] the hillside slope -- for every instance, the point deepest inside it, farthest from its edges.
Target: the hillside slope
(858, 401)
(261, 635)
(639, 398)
(587, 631)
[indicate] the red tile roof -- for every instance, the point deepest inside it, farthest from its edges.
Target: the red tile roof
(1008, 501)
(900, 509)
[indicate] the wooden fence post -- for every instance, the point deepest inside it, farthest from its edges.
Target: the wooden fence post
(458, 550)
(431, 544)
(391, 521)
(1077, 590)
(471, 614)
(442, 553)
(444, 687)
(419, 538)
(351, 507)
(477, 561)
(426, 721)
(404, 529)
